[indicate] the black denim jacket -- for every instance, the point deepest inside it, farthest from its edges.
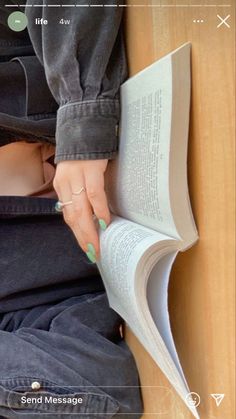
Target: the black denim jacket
(84, 63)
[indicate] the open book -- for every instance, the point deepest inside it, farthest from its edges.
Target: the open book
(148, 197)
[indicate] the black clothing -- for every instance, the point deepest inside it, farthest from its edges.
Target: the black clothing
(84, 64)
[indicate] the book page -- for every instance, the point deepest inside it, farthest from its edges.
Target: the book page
(131, 256)
(153, 148)
(141, 170)
(152, 310)
(123, 245)
(157, 297)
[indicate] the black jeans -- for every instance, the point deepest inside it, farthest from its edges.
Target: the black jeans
(60, 343)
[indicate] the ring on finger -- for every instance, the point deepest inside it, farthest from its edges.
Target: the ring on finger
(79, 191)
(60, 205)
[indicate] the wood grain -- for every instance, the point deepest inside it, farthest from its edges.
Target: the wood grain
(202, 293)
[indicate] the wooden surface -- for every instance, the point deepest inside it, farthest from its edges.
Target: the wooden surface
(201, 296)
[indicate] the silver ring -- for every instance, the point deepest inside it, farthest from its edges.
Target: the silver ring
(79, 192)
(59, 205)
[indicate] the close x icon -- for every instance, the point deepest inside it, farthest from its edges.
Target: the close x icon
(223, 21)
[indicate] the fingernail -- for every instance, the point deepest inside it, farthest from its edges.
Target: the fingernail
(102, 224)
(91, 257)
(91, 249)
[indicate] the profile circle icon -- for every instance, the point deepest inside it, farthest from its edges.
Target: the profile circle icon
(193, 399)
(17, 21)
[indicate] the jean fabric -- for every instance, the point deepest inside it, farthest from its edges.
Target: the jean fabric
(56, 326)
(72, 349)
(39, 253)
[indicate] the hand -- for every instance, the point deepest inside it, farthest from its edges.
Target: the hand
(70, 177)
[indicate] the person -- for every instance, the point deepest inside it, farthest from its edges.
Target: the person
(84, 63)
(62, 352)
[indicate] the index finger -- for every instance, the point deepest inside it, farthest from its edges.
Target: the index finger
(97, 197)
(83, 215)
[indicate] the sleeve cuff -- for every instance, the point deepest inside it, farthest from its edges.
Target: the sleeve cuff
(87, 130)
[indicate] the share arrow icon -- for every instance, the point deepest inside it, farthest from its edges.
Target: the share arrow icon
(218, 398)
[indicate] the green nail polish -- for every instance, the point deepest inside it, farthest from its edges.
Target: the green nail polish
(91, 249)
(91, 257)
(102, 224)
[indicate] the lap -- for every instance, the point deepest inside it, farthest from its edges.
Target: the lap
(74, 350)
(57, 330)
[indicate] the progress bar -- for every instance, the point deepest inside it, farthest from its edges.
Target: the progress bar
(118, 5)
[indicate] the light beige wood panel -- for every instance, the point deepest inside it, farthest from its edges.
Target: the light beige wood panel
(202, 293)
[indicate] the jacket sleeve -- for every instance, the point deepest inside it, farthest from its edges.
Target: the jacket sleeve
(82, 50)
